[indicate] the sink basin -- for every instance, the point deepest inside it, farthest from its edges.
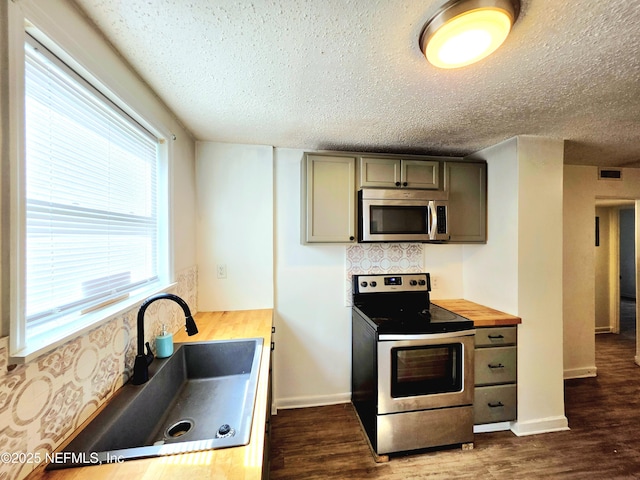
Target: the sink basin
(200, 398)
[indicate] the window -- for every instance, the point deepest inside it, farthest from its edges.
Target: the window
(93, 223)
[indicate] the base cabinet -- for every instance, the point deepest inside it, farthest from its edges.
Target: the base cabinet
(495, 375)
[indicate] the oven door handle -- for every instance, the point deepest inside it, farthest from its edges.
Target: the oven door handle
(424, 336)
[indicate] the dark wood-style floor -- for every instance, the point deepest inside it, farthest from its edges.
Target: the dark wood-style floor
(603, 443)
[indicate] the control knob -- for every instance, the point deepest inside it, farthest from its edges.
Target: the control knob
(422, 282)
(374, 283)
(413, 283)
(363, 284)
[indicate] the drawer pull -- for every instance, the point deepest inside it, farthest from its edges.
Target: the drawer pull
(495, 405)
(492, 366)
(495, 337)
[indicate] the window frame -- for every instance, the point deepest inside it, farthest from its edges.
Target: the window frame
(22, 349)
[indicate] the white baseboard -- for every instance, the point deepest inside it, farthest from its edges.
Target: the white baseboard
(542, 425)
(492, 427)
(603, 330)
(581, 372)
(312, 401)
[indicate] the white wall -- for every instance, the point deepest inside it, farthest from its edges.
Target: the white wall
(445, 264)
(491, 270)
(540, 229)
(313, 323)
(581, 188)
(520, 269)
(234, 226)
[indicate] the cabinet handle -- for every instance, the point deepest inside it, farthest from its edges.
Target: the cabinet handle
(491, 365)
(405, 184)
(496, 337)
(273, 346)
(397, 184)
(495, 405)
(352, 238)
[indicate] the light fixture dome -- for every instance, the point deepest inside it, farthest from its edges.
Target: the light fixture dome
(463, 32)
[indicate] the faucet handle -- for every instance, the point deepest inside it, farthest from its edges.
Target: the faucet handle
(149, 356)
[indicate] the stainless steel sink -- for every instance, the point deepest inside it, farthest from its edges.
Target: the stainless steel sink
(200, 398)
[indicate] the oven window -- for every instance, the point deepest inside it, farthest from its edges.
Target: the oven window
(398, 219)
(425, 370)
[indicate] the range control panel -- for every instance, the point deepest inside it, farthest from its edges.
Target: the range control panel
(402, 282)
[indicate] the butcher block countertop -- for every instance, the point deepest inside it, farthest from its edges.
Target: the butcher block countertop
(238, 463)
(482, 316)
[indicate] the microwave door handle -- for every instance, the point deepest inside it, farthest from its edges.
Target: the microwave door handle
(432, 218)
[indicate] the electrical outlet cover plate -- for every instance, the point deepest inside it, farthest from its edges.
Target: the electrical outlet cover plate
(222, 270)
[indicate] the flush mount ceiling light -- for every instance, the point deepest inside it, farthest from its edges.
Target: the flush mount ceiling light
(463, 32)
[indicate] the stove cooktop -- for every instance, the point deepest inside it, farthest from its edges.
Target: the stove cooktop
(433, 320)
(399, 304)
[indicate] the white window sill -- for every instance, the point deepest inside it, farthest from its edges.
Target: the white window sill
(46, 343)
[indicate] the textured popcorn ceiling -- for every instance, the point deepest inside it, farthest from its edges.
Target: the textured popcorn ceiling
(348, 74)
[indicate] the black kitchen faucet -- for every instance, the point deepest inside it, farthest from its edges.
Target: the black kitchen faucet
(141, 365)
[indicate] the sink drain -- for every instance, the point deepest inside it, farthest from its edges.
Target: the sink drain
(179, 429)
(225, 431)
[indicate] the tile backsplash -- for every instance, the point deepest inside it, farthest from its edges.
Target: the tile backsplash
(382, 258)
(44, 401)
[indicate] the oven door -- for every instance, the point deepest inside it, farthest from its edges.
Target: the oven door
(419, 372)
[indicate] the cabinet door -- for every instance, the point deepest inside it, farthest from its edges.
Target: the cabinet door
(466, 183)
(420, 174)
(329, 208)
(379, 172)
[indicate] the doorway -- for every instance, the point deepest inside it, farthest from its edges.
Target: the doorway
(615, 265)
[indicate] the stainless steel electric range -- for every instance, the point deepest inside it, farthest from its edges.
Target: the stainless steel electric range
(412, 365)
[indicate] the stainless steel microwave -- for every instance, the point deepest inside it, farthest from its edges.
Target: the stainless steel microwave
(402, 215)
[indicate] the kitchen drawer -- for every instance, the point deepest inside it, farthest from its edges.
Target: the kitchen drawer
(496, 336)
(495, 365)
(497, 403)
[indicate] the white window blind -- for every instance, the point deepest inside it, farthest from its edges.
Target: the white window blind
(91, 196)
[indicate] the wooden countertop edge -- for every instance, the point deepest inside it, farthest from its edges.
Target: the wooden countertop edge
(481, 315)
(238, 463)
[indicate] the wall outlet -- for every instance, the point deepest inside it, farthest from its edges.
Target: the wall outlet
(221, 269)
(434, 283)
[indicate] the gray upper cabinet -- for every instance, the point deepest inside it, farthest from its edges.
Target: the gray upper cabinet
(466, 184)
(397, 173)
(328, 198)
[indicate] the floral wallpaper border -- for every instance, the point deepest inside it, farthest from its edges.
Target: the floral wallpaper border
(382, 258)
